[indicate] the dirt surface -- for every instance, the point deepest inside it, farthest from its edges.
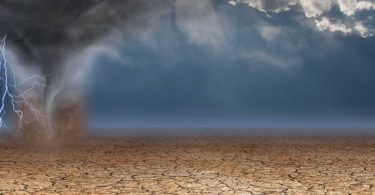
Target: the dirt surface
(191, 165)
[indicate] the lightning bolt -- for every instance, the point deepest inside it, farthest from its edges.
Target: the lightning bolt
(11, 90)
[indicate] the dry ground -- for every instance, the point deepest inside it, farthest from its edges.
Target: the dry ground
(191, 165)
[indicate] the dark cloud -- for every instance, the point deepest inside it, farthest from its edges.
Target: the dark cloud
(46, 32)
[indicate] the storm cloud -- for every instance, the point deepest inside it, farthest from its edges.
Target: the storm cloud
(44, 32)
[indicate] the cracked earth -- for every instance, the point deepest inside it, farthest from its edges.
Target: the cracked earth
(191, 165)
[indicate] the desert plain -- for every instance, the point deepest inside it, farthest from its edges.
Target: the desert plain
(190, 165)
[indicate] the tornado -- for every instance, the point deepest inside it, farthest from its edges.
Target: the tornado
(43, 35)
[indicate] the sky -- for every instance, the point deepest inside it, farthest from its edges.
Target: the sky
(225, 65)
(242, 63)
